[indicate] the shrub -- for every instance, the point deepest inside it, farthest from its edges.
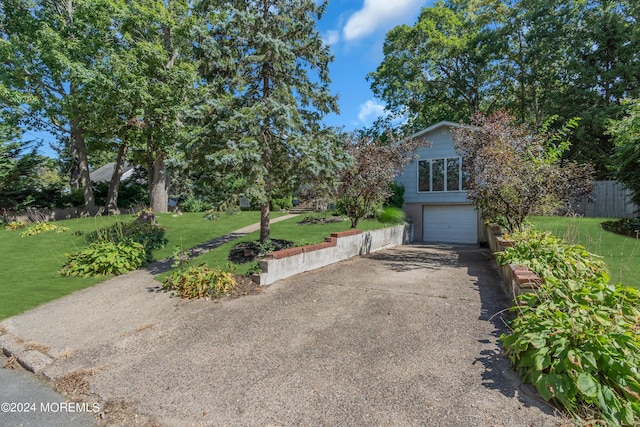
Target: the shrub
(199, 281)
(104, 257)
(15, 225)
(150, 236)
(626, 226)
(576, 339)
(391, 215)
(396, 199)
(547, 256)
(41, 227)
(193, 204)
(282, 204)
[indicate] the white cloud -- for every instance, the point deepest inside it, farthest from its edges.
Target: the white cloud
(376, 14)
(371, 110)
(331, 37)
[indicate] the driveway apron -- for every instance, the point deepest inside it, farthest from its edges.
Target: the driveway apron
(402, 337)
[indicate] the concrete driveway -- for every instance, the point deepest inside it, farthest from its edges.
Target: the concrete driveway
(403, 337)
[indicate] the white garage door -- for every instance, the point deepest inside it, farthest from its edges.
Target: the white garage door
(450, 224)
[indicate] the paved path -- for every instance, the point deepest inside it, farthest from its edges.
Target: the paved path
(402, 337)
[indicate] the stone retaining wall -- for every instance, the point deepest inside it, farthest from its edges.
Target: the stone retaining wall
(339, 246)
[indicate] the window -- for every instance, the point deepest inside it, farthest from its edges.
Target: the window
(441, 175)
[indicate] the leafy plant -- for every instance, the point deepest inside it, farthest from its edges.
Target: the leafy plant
(547, 256)
(41, 227)
(193, 204)
(578, 342)
(625, 226)
(391, 215)
(150, 236)
(15, 225)
(104, 258)
(199, 281)
(576, 339)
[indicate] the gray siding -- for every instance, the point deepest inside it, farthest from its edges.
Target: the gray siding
(441, 147)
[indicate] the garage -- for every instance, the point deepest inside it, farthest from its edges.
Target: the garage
(450, 224)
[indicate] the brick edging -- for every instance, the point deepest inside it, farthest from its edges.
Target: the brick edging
(328, 243)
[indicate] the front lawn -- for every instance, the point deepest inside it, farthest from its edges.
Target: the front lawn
(622, 254)
(29, 274)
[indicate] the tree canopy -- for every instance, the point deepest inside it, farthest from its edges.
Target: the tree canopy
(534, 58)
(266, 67)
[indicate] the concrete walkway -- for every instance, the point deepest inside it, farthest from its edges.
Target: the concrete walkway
(403, 337)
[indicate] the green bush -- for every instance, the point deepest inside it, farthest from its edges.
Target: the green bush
(391, 215)
(150, 236)
(576, 339)
(626, 226)
(41, 227)
(396, 199)
(193, 204)
(578, 342)
(547, 256)
(282, 204)
(104, 258)
(199, 281)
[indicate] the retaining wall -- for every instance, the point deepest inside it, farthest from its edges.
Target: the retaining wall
(516, 278)
(346, 244)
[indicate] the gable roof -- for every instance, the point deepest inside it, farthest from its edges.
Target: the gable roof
(438, 125)
(104, 173)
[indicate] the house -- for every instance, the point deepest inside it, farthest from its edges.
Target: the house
(435, 199)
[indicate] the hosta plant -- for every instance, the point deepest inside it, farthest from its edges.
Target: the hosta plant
(577, 339)
(41, 227)
(549, 257)
(199, 281)
(105, 258)
(578, 342)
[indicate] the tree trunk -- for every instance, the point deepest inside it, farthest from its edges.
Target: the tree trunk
(80, 146)
(265, 223)
(114, 185)
(159, 185)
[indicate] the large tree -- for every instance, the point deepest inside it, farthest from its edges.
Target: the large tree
(441, 68)
(626, 135)
(49, 49)
(266, 67)
(534, 58)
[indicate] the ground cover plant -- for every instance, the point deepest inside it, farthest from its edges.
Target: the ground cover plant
(29, 274)
(576, 339)
(620, 253)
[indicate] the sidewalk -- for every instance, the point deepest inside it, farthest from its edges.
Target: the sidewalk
(403, 337)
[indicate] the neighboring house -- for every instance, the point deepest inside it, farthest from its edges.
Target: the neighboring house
(435, 199)
(104, 173)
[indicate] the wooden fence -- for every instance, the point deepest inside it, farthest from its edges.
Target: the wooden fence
(610, 199)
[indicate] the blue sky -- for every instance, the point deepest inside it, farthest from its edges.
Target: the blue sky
(355, 30)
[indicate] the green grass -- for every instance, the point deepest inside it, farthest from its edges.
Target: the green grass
(621, 253)
(29, 274)
(286, 230)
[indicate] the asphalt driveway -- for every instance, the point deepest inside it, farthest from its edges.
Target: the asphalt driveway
(403, 337)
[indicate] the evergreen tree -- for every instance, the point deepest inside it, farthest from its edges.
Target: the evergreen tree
(266, 69)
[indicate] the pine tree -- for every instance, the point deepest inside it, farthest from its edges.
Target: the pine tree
(267, 72)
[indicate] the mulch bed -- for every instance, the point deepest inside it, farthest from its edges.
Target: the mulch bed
(251, 251)
(323, 221)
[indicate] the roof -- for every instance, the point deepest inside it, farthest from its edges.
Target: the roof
(438, 125)
(104, 173)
